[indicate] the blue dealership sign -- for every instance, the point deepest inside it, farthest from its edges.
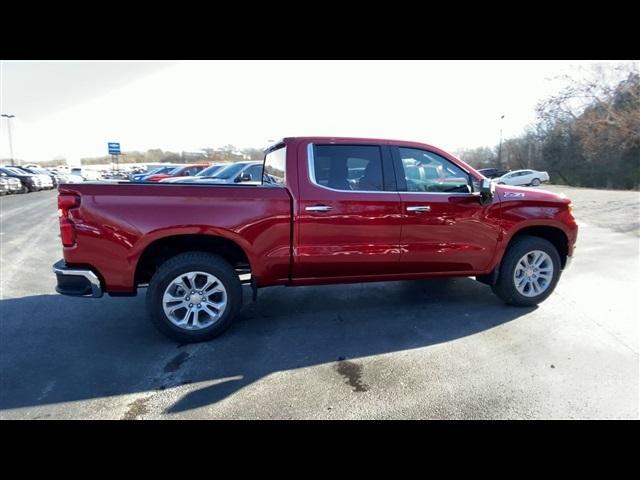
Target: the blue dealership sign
(114, 148)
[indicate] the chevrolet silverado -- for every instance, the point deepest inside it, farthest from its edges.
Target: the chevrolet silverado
(328, 210)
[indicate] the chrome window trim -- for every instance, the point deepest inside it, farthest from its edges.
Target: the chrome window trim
(312, 174)
(312, 179)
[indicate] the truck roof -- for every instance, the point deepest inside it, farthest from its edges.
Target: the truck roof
(356, 140)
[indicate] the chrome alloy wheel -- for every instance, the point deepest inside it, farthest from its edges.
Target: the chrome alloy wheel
(194, 300)
(533, 273)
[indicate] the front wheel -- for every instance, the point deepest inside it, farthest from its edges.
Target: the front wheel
(529, 272)
(535, 182)
(194, 297)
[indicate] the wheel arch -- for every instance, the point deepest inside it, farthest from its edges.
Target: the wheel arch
(554, 234)
(161, 249)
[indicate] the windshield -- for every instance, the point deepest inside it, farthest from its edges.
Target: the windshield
(229, 171)
(208, 172)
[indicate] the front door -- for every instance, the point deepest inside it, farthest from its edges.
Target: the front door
(349, 215)
(445, 228)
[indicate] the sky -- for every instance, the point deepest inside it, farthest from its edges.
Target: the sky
(72, 109)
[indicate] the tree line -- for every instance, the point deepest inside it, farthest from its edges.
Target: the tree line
(228, 153)
(587, 135)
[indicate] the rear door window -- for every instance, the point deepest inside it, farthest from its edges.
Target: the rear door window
(348, 167)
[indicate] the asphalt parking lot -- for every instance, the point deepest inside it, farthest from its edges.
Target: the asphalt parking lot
(436, 349)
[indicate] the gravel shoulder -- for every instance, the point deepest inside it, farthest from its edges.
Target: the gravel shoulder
(618, 210)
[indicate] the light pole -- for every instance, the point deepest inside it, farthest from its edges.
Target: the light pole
(9, 117)
(500, 145)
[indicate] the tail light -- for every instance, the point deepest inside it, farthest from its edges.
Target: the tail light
(67, 229)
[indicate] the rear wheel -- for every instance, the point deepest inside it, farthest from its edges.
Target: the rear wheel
(535, 182)
(194, 297)
(529, 272)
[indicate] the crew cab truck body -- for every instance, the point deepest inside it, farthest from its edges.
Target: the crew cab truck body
(330, 210)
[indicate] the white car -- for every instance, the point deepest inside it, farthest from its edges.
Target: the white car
(86, 173)
(71, 178)
(523, 177)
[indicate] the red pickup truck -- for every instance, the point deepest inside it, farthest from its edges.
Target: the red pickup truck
(329, 210)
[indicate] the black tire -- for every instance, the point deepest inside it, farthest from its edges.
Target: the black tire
(535, 182)
(189, 262)
(505, 286)
(500, 183)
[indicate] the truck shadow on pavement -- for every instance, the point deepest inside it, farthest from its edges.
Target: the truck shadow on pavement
(59, 349)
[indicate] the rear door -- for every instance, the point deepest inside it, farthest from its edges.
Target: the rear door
(348, 214)
(445, 227)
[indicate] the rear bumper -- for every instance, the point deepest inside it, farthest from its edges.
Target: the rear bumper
(76, 282)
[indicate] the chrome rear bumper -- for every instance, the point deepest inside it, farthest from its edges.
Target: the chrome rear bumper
(76, 282)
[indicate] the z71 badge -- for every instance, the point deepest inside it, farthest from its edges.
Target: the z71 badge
(514, 194)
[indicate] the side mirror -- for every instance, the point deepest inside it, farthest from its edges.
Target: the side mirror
(244, 177)
(487, 190)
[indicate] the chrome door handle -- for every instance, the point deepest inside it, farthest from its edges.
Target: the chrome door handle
(318, 208)
(419, 208)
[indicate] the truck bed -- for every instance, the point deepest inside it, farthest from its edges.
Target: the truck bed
(115, 223)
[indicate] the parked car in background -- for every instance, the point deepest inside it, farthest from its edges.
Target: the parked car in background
(30, 182)
(115, 175)
(208, 172)
(86, 174)
(181, 171)
(4, 186)
(139, 177)
(46, 180)
(239, 172)
(44, 171)
(493, 172)
(14, 185)
(135, 170)
(524, 178)
(58, 178)
(71, 178)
